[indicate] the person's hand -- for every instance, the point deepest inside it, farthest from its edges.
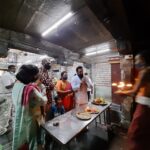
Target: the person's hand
(83, 81)
(120, 92)
(44, 115)
(69, 91)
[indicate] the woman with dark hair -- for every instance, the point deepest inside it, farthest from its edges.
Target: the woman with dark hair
(25, 97)
(64, 90)
(139, 130)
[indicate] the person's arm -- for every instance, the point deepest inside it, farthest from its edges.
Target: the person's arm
(10, 86)
(7, 81)
(43, 89)
(75, 84)
(91, 89)
(64, 92)
(89, 83)
(136, 86)
(40, 99)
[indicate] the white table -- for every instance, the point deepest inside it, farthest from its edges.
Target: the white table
(69, 125)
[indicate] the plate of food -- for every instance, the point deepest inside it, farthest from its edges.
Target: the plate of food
(83, 115)
(99, 101)
(92, 110)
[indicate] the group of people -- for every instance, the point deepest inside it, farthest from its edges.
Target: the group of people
(34, 101)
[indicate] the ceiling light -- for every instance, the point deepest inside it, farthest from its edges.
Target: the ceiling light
(91, 53)
(103, 51)
(103, 46)
(28, 62)
(43, 56)
(65, 62)
(57, 24)
(97, 52)
(19, 64)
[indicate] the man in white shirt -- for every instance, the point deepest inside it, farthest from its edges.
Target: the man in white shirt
(80, 83)
(7, 83)
(8, 79)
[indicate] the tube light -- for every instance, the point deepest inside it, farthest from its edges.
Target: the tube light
(91, 53)
(70, 14)
(28, 62)
(43, 56)
(97, 52)
(103, 51)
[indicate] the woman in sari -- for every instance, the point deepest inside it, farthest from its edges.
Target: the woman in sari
(64, 90)
(25, 97)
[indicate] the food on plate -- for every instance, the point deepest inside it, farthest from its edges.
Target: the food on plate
(100, 100)
(91, 109)
(87, 109)
(83, 115)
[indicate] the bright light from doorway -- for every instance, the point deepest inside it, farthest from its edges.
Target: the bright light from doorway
(66, 17)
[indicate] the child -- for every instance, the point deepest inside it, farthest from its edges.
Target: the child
(57, 108)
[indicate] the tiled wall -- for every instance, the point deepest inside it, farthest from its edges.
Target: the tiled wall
(101, 75)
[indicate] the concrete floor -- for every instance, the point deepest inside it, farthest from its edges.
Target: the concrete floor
(97, 138)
